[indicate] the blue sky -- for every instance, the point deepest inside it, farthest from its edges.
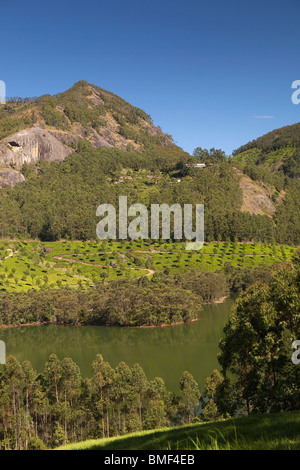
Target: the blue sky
(206, 71)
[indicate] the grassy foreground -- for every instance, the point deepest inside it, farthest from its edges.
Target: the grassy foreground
(278, 431)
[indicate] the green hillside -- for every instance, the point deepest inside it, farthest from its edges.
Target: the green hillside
(278, 138)
(259, 432)
(66, 154)
(80, 272)
(276, 151)
(58, 200)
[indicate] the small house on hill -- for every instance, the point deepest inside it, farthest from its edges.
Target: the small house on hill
(196, 165)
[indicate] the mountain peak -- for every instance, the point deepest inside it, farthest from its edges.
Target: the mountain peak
(83, 112)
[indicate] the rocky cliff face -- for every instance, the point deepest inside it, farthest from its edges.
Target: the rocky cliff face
(30, 146)
(257, 196)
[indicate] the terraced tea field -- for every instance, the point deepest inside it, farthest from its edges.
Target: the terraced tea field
(27, 264)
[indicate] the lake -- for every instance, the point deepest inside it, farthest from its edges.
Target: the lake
(162, 352)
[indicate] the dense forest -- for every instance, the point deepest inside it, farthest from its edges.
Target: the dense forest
(165, 299)
(256, 350)
(59, 200)
(39, 411)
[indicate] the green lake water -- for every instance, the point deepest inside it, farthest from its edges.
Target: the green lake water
(162, 352)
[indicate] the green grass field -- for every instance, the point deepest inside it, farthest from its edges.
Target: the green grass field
(25, 264)
(278, 431)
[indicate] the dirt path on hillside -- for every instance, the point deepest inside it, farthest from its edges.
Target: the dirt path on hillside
(10, 254)
(150, 271)
(71, 260)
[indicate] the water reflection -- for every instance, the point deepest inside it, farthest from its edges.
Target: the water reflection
(164, 352)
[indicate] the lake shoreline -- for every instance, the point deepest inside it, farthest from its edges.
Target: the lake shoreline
(221, 300)
(163, 325)
(37, 323)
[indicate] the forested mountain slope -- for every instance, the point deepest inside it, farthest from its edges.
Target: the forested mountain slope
(87, 146)
(50, 127)
(277, 151)
(59, 199)
(274, 161)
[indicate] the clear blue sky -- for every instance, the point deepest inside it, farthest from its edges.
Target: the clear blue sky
(204, 70)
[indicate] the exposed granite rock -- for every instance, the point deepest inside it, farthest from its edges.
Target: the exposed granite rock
(34, 144)
(30, 146)
(257, 198)
(10, 177)
(99, 141)
(73, 136)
